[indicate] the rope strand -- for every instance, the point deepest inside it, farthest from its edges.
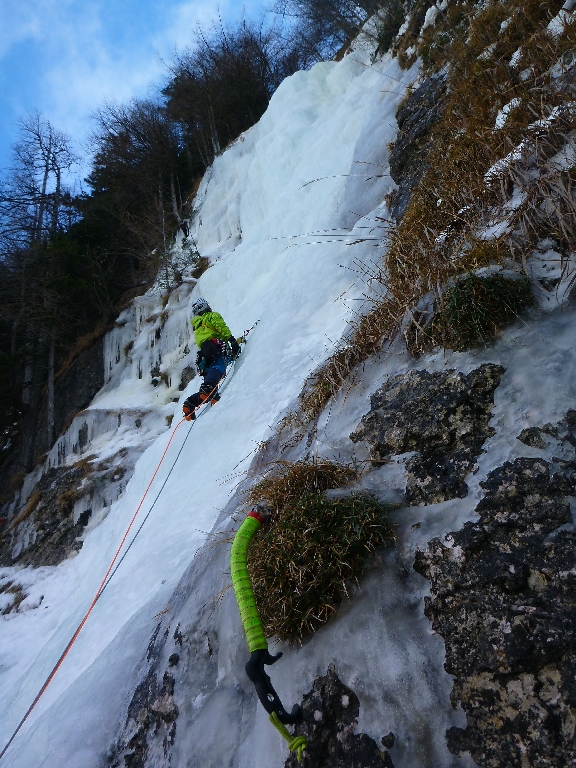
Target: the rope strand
(93, 603)
(111, 570)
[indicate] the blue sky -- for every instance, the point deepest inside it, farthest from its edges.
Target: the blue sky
(66, 57)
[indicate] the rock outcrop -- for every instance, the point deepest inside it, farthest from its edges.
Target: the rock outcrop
(416, 116)
(152, 711)
(330, 716)
(443, 417)
(503, 598)
(49, 526)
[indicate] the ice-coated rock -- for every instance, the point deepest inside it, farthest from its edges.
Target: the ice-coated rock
(443, 417)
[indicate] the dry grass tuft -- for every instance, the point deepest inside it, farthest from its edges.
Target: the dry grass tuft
(65, 500)
(202, 263)
(368, 334)
(286, 481)
(302, 563)
(17, 480)
(440, 236)
(11, 588)
(28, 509)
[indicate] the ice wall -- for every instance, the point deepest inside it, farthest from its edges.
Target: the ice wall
(277, 215)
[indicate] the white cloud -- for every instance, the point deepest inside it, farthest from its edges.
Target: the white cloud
(183, 18)
(90, 71)
(21, 21)
(78, 60)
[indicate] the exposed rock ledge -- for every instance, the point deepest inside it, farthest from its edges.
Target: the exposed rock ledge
(443, 417)
(504, 600)
(329, 719)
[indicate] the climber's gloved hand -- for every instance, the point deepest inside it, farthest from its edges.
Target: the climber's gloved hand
(188, 410)
(235, 347)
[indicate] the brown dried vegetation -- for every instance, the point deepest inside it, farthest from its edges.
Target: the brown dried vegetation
(11, 588)
(27, 510)
(439, 238)
(303, 562)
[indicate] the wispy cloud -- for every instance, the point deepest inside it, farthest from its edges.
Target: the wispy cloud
(182, 19)
(67, 57)
(28, 21)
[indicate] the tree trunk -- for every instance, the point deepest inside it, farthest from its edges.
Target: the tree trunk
(213, 130)
(56, 204)
(32, 397)
(174, 201)
(202, 150)
(42, 203)
(20, 315)
(50, 390)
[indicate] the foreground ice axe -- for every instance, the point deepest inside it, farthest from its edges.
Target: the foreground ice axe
(259, 654)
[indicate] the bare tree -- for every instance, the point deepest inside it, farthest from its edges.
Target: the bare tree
(321, 27)
(31, 199)
(39, 159)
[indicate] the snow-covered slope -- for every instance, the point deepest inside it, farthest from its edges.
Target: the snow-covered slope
(274, 214)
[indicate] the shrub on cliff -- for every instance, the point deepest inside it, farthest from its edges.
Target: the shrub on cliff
(302, 564)
(475, 308)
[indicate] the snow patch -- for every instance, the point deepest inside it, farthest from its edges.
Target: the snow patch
(487, 53)
(563, 19)
(515, 60)
(430, 18)
(503, 113)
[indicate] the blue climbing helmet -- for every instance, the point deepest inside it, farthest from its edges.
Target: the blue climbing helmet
(200, 306)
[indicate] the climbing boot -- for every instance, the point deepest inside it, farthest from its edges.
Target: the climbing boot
(209, 392)
(189, 411)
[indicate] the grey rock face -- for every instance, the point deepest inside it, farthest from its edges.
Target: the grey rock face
(531, 436)
(416, 116)
(330, 715)
(152, 711)
(443, 417)
(73, 391)
(45, 531)
(77, 386)
(503, 599)
(188, 374)
(564, 430)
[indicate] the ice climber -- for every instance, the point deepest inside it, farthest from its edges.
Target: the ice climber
(211, 334)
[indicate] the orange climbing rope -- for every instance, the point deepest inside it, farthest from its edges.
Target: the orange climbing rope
(104, 582)
(94, 601)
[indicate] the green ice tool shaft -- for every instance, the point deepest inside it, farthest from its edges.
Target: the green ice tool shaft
(259, 655)
(242, 585)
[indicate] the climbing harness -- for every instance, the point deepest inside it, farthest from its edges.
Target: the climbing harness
(257, 645)
(225, 348)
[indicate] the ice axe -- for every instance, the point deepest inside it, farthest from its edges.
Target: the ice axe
(259, 654)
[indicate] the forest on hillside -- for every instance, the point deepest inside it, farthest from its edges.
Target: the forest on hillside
(69, 261)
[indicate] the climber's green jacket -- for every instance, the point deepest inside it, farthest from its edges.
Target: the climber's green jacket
(210, 325)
